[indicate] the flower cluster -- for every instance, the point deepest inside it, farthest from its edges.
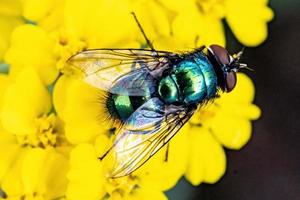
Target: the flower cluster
(50, 132)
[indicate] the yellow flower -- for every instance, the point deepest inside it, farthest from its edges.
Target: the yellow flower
(88, 181)
(10, 17)
(37, 133)
(27, 103)
(198, 22)
(32, 47)
(225, 122)
(37, 161)
(36, 174)
(248, 19)
(70, 27)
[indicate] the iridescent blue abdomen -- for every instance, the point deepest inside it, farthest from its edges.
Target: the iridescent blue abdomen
(191, 81)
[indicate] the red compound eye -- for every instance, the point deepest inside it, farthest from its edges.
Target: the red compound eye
(230, 81)
(220, 53)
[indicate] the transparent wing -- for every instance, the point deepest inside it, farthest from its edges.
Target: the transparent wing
(120, 71)
(146, 131)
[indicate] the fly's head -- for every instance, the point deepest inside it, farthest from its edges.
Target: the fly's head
(225, 65)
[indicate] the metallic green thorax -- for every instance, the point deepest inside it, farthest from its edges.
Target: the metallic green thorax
(191, 81)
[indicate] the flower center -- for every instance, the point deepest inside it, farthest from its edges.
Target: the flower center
(65, 48)
(202, 116)
(213, 7)
(122, 187)
(47, 133)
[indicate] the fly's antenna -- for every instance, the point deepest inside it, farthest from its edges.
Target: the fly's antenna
(245, 66)
(239, 55)
(143, 32)
(236, 61)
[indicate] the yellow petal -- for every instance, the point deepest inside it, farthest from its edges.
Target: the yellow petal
(53, 181)
(239, 110)
(238, 103)
(248, 20)
(207, 157)
(9, 145)
(82, 108)
(37, 171)
(35, 10)
(12, 182)
(45, 13)
(161, 174)
(10, 8)
(4, 83)
(86, 179)
(242, 93)
(171, 44)
(60, 94)
(177, 5)
(195, 29)
(24, 100)
(7, 25)
(89, 22)
(232, 132)
(32, 168)
(154, 20)
(31, 46)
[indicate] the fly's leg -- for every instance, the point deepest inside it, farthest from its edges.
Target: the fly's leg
(167, 152)
(143, 32)
(112, 132)
(104, 155)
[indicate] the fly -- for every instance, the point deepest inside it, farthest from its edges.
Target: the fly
(153, 93)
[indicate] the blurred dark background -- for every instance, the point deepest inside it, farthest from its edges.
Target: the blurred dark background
(268, 167)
